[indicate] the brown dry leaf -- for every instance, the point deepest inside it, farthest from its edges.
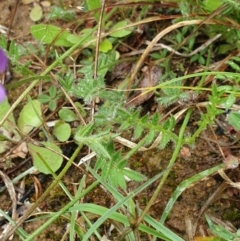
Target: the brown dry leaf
(27, 1)
(231, 161)
(20, 151)
(151, 78)
(45, 4)
(104, 238)
(120, 71)
(185, 152)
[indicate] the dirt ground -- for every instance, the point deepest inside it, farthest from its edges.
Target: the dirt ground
(187, 208)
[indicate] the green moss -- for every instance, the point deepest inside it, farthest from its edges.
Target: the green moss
(231, 214)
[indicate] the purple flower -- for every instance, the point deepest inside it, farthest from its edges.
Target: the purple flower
(3, 93)
(3, 67)
(3, 61)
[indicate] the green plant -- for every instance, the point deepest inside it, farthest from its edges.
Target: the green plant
(59, 12)
(100, 125)
(221, 231)
(51, 98)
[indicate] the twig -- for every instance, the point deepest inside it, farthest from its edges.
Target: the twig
(98, 40)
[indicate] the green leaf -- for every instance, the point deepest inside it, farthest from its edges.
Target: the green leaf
(3, 138)
(219, 230)
(67, 115)
(92, 5)
(46, 160)
(233, 119)
(84, 36)
(121, 180)
(36, 13)
(225, 87)
(93, 141)
(211, 5)
(62, 131)
(133, 175)
(30, 116)
(61, 13)
(52, 91)
(88, 88)
(224, 48)
(52, 105)
(8, 129)
(43, 98)
(105, 46)
(230, 101)
(138, 130)
(83, 131)
(233, 65)
(123, 32)
(81, 109)
(50, 34)
(113, 177)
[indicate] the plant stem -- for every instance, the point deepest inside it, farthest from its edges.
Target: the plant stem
(169, 167)
(44, 196)
(63, 210)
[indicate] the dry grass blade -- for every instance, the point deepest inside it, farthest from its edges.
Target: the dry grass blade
(200, 48)
(210, 200)
(151, 78)
(12, 193)
(157, 38)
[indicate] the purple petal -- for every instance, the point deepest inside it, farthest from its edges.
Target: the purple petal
(3, 61)
(3, 93)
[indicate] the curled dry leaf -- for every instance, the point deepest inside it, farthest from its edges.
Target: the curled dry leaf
(185, 152)
(21, 151)
(231, 161)
(151, 78)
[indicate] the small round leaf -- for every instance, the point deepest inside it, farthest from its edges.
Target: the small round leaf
(44, 159)
(62, 131)
(105, 46)
(67, 115)
(36, 13)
